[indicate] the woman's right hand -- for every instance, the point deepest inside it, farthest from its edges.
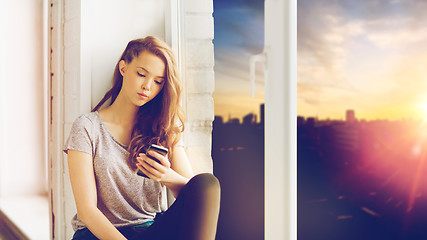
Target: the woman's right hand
(155, 166)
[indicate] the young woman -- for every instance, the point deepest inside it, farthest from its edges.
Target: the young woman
(107, 147)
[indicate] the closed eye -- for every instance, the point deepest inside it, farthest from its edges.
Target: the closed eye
(140, 74)
(158, 82)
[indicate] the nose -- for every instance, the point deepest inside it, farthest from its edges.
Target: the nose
(146, 84)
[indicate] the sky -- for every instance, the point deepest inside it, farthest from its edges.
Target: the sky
(369, 56)
(239, 34)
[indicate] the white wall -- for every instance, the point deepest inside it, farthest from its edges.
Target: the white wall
(110, 27)
(22, 99)
(199, 82)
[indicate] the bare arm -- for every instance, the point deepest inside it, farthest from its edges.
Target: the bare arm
(180, 162)
(182, 171)
(82, 178)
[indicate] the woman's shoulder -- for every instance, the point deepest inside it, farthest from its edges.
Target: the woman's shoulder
(82, 133)
(87, 119)
(89, 116)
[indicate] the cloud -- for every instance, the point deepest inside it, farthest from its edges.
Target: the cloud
(328, 32)
(239, 26)
(321, 39)
(235, 64)
(327, 23)
(395, 30)
(398, 38)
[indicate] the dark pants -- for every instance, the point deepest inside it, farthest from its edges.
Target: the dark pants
(193, 215)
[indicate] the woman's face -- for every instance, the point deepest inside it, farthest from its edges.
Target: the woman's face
(143, 78)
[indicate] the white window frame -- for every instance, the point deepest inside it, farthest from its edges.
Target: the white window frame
(280, 119)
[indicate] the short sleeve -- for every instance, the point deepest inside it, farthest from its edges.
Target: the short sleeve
(80, 136)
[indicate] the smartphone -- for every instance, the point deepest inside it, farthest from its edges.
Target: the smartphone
(159, 149)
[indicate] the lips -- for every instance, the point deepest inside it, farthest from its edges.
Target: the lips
(142, 95)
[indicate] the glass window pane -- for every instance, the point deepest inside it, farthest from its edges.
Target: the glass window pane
(238, 129)
(361, 125)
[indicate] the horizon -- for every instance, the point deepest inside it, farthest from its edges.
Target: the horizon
(257, 113)
(362, 119)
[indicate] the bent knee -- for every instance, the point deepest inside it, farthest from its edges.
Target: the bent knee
(204, 182)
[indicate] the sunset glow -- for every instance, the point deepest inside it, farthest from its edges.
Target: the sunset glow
(423, 109)
(368, 56)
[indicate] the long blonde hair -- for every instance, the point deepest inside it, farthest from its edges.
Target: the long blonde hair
(161, 120)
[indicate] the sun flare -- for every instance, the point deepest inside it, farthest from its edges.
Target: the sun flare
(423, 110)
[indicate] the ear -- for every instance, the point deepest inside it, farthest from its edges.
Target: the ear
(122, 67)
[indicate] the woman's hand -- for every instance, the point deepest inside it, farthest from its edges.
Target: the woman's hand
(155, 166)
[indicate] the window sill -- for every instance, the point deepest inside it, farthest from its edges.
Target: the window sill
(26, 216)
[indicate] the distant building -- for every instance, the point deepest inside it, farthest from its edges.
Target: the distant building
(311, 121)
(261, 114)
(218, 120)
(300, 121)
(249, 119)
(350, 116)
(346, 137)
(234, 121)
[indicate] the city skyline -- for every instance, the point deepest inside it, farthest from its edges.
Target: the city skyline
(362, 55)
(344, 116)
(259, 113)
(249, 117)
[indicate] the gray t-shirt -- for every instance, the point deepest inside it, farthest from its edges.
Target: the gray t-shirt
(123, 197)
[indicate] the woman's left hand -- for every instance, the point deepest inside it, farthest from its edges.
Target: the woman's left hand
(155, 166)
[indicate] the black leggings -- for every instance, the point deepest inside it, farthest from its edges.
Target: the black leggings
(193, 215)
